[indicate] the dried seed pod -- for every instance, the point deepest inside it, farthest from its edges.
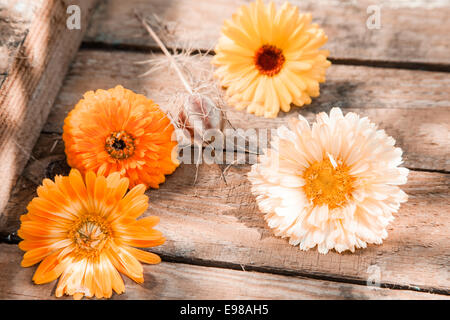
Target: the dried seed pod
(197, 115)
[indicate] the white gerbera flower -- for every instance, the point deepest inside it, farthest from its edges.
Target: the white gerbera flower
(334, 185)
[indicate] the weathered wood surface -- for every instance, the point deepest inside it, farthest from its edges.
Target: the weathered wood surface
(16, 17)
(405, 103)
(38, 58)
(222, 226)
(410, 32)
(183, 281)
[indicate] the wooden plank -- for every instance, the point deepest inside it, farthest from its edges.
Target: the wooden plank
(222, 226)
(403, 102)
(409, 32)
(44, 160)
(38, 67)
(222, 223)
(16, 17)
(182, 281)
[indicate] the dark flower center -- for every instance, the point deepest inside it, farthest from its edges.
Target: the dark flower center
(269, 60)
(120, 145)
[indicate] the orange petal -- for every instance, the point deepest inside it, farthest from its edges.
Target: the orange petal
(143, 243)
(27, 245)
(133, 193)
(126, 263)
(148, 222)
(102, 279)
(136, 208)
(71, 280)
(121, 188)
(138, 233)
(89, 278)
(113, 180)
(144, 256)
(77, 183)
(34, 256)
(117, 282)
(90, 188)
(78, 296)
(34, 228)
(50, 268)
(130, 207)
(99, 194)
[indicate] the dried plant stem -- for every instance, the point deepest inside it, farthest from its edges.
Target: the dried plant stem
(167, 53)
(196, 108)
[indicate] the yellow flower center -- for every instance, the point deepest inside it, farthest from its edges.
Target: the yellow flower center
(120, 145)
(327, 184)
(90, 235)
(269, 60)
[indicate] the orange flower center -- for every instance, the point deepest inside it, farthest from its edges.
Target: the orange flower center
(90, 235)
(328, 184)
(120, 145)
(269, 60)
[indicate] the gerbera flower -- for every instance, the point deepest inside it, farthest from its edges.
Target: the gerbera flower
(119, 130)
(85, 232)
(334, 185)
(270, 58)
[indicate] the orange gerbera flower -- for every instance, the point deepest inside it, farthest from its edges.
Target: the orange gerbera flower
(86, 231)
(119, 130)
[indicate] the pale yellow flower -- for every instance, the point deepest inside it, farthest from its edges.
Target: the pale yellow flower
(269, 58)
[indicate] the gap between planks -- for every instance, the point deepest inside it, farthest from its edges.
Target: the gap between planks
(197, 24)
(411, 106)
(406, 65)
(280, 272)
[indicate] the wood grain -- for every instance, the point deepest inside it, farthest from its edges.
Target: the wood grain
(16, 17)
(214, 228)
(182, 281)
(409, 32)
(222, 227)
(412, 106)
(37, 69)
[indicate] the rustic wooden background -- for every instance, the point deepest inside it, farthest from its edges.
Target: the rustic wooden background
(218, 243)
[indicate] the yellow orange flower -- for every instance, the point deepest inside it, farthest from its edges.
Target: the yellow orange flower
(119, 130)
(85, 232)
(269, 58)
